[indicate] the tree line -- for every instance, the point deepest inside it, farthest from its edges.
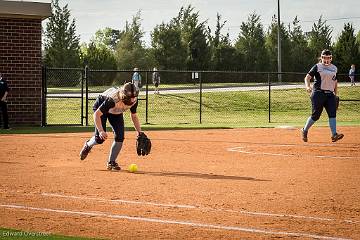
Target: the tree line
(186, 43)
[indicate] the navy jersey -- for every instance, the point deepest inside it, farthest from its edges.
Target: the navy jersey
(3, 87)
(325, 77)
(109, 102)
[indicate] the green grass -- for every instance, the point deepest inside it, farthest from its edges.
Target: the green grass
(18, 234)
(219, 109)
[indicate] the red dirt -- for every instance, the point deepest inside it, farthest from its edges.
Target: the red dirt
(190, 187)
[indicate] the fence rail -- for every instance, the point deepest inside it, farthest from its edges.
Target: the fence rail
(204, 97)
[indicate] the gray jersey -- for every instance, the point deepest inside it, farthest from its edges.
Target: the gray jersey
(113, 93)
(325, 76)
(112, 102)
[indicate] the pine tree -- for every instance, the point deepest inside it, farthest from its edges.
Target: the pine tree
(223, 54)
(319, 38)
(251, 44)
(299, 51)
(61, 42)
(272, 46)
(130, 51)
(346, 49)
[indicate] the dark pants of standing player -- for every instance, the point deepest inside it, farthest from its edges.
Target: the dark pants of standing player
(352, 79)
(321, 100)
(117, 123)
(5, 117)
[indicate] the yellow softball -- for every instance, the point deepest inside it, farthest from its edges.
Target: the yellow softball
(133, 168)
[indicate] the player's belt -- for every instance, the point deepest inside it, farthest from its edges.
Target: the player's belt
(324, 91)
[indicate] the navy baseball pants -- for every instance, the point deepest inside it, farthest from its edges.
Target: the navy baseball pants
(116, 121)
(321, 99)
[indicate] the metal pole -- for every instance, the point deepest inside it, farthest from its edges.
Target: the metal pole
(86, 96)
(279, 44)
(82, 97)
(200, 79)
(147, 100)
(269, 83)
(43, 96)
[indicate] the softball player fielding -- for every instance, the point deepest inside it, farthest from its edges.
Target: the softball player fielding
(323, 94)
(110, 105)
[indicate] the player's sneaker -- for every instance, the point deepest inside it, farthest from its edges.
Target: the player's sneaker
(84, 151)
(337, 137)
(113, 166)
(304, 135)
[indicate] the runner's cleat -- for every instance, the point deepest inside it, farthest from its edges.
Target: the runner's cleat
(337, 137)
(304, 135)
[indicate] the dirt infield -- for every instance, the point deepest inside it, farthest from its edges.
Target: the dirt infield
(202, 184)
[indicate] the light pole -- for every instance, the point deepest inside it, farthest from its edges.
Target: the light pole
(279, 44)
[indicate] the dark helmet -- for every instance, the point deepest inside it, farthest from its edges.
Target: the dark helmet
(326, 57)
(326, 52)
(129, 90)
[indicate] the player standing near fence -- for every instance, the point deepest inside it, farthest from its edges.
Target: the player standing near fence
(110, 105)
(323, 94)
(4, 90)
(136, 78)
(352, 74)
(156, 80)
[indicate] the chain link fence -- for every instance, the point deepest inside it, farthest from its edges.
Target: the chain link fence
(219, 99)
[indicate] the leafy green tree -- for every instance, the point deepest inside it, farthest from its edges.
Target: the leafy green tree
(223, 54)
(99, 57)
(130, 51)
(346, 49)
(251, 44)
(108, 37)
(272, 46)
(358, 39)
(194, 38)
(167, 47)
(319, 38)
(299, 51)
(181, 43)
(61, 44)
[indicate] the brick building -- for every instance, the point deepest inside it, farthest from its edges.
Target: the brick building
(20, 58)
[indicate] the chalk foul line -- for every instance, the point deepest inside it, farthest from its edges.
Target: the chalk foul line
(240, 150)
(155, 220)
(263, 214)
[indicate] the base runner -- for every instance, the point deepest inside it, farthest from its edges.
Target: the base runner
(323, 94)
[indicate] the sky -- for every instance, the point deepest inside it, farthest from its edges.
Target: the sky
(92, 15)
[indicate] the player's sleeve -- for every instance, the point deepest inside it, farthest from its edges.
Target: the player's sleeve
(336, 74)
(313, 70)
(134, 107)
(107, 105)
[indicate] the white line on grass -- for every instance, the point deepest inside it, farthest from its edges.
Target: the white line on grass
(193, 207)
(155, 220)
(239, 149)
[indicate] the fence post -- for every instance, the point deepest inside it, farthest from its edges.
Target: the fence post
(269, 83)
(86, 96)
(200, 79)
(82, 97)
(43, 96)
(147, 99)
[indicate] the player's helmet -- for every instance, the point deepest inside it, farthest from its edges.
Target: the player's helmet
(326, 57)
(129, 91)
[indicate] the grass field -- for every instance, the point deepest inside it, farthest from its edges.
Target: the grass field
(29, 235)
(219, 109)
